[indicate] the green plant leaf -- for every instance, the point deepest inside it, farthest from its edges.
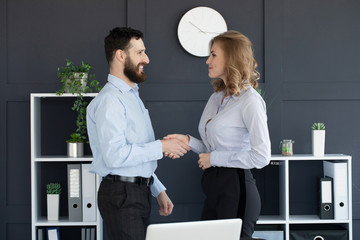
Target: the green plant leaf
(53, 188)
(318, 126)
(77, 86)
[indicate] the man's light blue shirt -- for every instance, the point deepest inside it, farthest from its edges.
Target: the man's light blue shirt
(121, 136)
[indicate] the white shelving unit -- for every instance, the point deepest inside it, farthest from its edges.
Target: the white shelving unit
(285, 220)
(38, 161)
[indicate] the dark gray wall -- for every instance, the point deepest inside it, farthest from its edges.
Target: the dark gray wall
(308, 56)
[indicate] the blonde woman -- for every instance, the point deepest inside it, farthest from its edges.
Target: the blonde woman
(234, 133)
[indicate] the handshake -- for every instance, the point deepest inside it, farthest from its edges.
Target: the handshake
(175, 145)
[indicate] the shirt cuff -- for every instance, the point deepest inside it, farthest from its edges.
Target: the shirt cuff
(196, 145)
(219, 159)
(157, 187)
(155, 150)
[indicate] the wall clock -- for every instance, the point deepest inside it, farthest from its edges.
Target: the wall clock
(197, 27)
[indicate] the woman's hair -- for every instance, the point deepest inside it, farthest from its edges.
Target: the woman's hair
(240, 65)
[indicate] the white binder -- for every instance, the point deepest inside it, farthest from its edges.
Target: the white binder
(338, 171)
(88, 194)
(74, 191)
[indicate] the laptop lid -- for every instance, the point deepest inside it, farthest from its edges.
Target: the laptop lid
(228, 229)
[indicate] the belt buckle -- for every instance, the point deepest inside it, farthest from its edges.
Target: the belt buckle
(149, 181)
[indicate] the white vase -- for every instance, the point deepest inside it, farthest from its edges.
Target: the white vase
(53, 207)
(318, 142)
(81, 79)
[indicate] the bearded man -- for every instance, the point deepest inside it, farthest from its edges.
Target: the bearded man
(123, 143)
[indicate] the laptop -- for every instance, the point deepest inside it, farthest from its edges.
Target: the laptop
(227, 229)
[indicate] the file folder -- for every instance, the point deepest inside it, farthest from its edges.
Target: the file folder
(326, 206)
(40, 234)
(74, 192)
(88, 194)
(88, 233)
(93, 237)
(338, 171)
(83, 233)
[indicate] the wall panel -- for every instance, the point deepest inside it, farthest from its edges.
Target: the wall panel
(308, 57)
(18, 154)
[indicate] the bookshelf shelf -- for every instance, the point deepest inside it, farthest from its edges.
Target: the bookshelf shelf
(63, 221)
(62, 159)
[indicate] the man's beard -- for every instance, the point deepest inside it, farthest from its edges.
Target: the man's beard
(132, 71)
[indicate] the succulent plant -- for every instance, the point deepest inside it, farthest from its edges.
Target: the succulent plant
(53, 188)
(318, 126)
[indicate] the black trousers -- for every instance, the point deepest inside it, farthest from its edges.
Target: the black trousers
(125, 209)
(231, 193)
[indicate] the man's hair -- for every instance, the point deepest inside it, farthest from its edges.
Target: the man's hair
(119, 38)
(240, 64)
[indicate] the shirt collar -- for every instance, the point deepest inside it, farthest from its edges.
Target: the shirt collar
(242, 91)
(121, 85)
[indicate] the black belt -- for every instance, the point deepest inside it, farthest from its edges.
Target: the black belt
(138, 180)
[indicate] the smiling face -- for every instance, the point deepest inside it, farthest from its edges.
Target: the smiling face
(136, 59)
(216, 62)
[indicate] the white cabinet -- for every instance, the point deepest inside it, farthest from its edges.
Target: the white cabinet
(293, 176)
(46, 118)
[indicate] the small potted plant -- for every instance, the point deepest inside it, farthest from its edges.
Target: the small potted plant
(77, 80)
(75, 145)
(53, 191)
(318, 139)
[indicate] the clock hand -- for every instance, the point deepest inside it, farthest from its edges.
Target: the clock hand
(212, 32)
(196, 27)
(202, 30)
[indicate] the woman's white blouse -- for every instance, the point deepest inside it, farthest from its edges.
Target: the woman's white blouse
(235, 131)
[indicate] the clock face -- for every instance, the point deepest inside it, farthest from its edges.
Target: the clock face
(197, 27)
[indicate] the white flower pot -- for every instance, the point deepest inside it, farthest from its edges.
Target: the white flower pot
(53, 207)
(80, 77)
(318, 142)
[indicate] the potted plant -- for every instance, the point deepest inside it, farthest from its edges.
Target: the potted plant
(77, 80)
(318, 139)
(53, 191)
(75, 145)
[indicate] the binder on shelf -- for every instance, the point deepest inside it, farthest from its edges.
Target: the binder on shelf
(53, 233)
(268, 235)
(40, 233)
(74, 192)
(93, 237)
(326, 203)
(83, 233)
(337, 170)
(88, 232)
(88, 194)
